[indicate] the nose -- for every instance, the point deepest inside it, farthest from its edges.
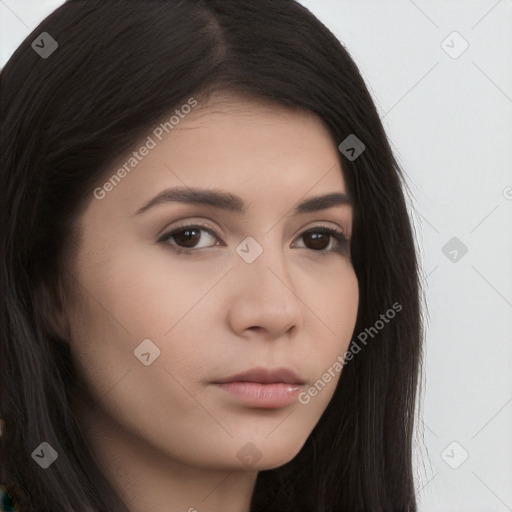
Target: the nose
(263, 298)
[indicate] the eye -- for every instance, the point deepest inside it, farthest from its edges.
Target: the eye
(188, 236)
(320, 239)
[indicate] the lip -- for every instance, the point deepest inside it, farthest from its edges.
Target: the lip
(265, 376)
(263, 388)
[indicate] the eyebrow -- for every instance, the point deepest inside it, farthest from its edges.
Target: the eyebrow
(229, 202)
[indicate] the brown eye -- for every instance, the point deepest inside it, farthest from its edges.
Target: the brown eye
(185, 238)
(319, 239)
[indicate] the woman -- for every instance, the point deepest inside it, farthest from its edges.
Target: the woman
(210, 282)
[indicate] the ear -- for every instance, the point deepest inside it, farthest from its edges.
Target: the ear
(51, 298)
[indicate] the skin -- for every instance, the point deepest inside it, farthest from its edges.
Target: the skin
(166, 438)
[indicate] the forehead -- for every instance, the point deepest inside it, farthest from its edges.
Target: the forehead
(260, 151)
(243, 130)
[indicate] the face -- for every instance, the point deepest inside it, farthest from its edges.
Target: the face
(170, 302)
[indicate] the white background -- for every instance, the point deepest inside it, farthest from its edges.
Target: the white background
(450, 124)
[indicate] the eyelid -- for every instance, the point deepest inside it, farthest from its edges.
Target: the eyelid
(189, 222)
(326, 226)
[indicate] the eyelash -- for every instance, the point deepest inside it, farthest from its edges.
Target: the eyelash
(339, 236)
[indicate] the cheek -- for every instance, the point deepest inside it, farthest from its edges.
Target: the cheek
(133, 294)
(100, 346)
(337, 308)
(148, 290)
(147, 400)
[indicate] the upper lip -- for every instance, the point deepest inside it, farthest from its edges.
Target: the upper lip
(265, 376)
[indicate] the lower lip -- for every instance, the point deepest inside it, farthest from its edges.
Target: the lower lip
(266, 396)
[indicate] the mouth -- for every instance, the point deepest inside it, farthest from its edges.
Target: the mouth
(262, 388)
